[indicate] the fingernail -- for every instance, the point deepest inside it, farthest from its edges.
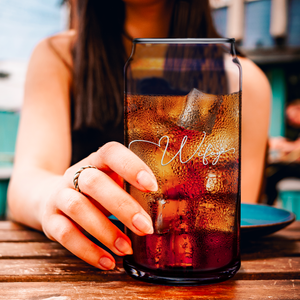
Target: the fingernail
(147, 181)
(123, 246)
(106, 263)
(142, 223)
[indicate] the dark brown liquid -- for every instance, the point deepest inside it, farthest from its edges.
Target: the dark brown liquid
(185, 237)
(195, 212)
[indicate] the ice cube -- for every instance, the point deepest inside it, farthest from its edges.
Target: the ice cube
(200, 111)
(163, 217)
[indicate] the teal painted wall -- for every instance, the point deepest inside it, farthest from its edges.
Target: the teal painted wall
(277, 81)
(9, 122)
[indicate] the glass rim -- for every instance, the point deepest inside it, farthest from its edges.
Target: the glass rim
(183, 40)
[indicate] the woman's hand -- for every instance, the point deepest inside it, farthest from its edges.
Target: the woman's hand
(41, 193)
(67, 211)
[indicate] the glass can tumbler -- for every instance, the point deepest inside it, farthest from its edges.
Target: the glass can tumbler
(183, 119)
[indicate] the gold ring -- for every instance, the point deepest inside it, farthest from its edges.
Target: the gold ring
(76, 176)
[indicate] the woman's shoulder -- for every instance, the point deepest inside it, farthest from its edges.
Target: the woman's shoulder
(255, 86)
(256, 96)
(56, 48)
(253, 76)
(51, 61)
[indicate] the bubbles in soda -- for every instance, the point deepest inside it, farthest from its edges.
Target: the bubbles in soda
(191, 143)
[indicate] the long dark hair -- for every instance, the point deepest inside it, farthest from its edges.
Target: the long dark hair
(99, 55)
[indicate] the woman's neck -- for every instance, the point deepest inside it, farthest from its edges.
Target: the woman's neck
(148, 19)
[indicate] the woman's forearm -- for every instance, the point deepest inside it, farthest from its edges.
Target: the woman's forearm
(27, 193)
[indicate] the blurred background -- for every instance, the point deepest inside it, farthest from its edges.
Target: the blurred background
(267, 31)
(22, 25)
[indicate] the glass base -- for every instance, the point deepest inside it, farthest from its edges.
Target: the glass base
(177, 277)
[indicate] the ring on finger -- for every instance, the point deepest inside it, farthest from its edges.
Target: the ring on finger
(76, 176)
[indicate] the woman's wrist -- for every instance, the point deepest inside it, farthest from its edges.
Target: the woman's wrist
(28, 193)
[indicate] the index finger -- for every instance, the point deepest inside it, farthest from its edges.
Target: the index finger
(116, 157)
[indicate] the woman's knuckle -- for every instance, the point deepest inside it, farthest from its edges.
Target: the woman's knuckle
(108, 148)
(73, 204)
(122, 205)
(62, 234)
(87, 179)
(68, 201)
(57, 230)
(127, 164)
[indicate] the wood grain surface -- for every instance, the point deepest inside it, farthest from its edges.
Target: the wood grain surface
(33, 267)
(241, 290)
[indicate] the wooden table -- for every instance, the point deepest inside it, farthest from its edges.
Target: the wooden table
(33, 267)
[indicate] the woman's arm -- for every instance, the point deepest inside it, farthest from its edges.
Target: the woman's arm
(256, 99)
(43, 149)
(41, 192)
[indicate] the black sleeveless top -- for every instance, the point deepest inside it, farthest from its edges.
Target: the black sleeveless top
(86, 141)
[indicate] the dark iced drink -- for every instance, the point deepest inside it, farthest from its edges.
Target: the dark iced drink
(192, 144)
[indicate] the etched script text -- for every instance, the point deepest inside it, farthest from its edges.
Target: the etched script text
(207, 151)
